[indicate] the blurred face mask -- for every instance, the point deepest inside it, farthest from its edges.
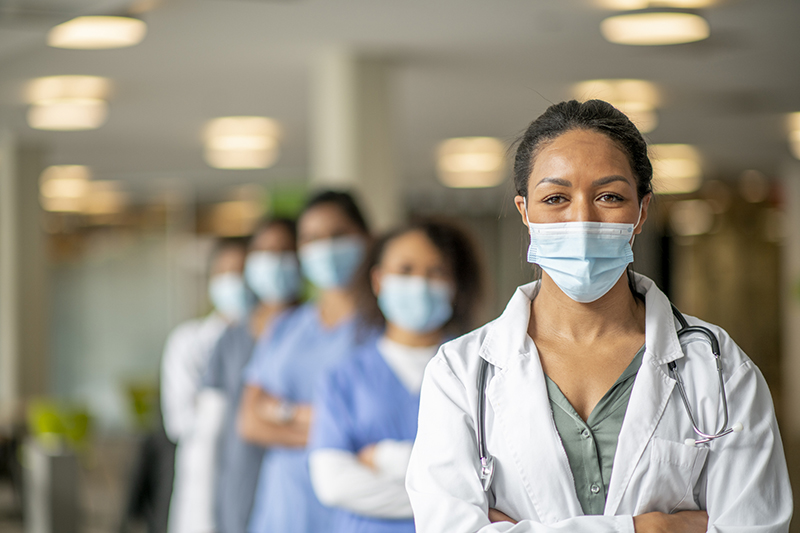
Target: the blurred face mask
(228, 293)
(273, 276)
(415, 303)
(331, 263)
(585, 259)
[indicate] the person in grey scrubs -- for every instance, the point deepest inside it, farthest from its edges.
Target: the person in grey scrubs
(271, 271)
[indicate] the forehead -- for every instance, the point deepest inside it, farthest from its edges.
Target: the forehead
(587, 151)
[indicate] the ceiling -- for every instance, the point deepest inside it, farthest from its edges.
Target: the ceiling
(461, 67)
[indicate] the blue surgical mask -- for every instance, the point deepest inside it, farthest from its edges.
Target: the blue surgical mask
(415, 303)
(273, 276)
(229, 295)
(585, 259)
(331, 263)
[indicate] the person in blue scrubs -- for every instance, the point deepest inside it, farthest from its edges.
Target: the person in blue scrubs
(272, 272)
(421, 284)
(286, 365)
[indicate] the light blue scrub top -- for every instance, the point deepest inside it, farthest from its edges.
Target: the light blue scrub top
(288, 364)
(362, 402)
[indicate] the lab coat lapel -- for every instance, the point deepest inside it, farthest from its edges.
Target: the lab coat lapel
(518, 397)
(650, 394)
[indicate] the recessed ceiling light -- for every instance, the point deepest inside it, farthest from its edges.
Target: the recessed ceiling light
(242, 142)
(471, 162)
(67, 103)
(651, 28)
(626, 5)
(95, 33)
(676, 168)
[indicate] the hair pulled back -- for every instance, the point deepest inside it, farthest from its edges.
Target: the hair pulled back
(593, 115)
(344, 201)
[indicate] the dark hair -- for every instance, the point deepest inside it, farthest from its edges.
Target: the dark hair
(458, 250)
(594, 115)
(224, 244)
(344, 201)
(265, 224)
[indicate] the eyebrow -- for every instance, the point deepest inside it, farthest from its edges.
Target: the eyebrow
(596, 183)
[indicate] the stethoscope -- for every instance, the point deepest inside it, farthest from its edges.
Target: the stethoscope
(487, 461)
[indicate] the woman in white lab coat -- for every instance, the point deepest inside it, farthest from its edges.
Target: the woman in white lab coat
(583, 416)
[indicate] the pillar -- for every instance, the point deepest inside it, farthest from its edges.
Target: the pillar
(791, 300)
(351, 133)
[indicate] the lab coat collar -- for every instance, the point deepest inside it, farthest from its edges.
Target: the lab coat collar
(508, 334)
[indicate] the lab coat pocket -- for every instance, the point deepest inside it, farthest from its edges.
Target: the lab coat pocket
(672, 475)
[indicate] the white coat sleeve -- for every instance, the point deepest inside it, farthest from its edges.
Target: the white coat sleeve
(443, 481)
(748, 482)
(340, 480)
(179, 381)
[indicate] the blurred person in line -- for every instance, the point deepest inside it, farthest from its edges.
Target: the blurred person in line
(186, 355)
(421, 284)
(283, 372)
(272, 272)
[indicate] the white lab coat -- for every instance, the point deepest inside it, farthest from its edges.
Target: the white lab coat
(741, 480)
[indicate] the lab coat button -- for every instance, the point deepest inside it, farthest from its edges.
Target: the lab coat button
(595, 488)
(586, 434)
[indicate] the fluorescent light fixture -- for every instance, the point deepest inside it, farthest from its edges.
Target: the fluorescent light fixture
(73, 114)
(676, 168)
(691, 217)
(655, 28)
(629, 5)
(67, 103)
(95, 33)
(471, 162)
(66, 87)
(242, 142)
(636, 98)
(63, 187)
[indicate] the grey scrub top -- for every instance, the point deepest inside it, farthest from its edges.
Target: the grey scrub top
(591, 445)
(238, 461)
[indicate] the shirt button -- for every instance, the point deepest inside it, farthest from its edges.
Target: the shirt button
(586, 434)
(595, 488)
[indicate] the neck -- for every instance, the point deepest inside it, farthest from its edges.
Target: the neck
(556, 314)
(410, 338)
(335, 306)
(263, 314)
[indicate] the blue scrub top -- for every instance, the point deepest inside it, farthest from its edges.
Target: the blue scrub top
(362, 402)
(288, 364)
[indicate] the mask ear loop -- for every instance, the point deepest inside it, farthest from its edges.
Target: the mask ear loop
(527, 221)
(641, 209)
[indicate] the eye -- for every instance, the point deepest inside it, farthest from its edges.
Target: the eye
(610, 198)
(554, 199)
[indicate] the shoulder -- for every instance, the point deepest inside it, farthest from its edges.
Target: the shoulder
(734, 360)
(461, 357)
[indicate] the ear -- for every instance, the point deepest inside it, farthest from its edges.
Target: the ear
(519, 202)
(645, 206)
(375, 276)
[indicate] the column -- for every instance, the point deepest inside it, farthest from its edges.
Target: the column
(351, 133)
(791, 301)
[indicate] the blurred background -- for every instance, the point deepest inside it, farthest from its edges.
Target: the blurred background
(133, 133)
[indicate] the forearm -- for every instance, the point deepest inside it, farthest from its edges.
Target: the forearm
(340, 480)
(257, 425)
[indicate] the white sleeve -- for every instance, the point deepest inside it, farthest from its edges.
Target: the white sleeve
(340, 480)
(748, 488)
(179, 381)
(443, 474)
(391, 457)
(192, 507)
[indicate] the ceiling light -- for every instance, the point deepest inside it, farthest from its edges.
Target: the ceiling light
(794, 134)
(471, 162)
(68, 115)
(63, 187)
(650, 28)
(242, 142)
(676, 168)
(94, 33)
(626, 5)
(636, 98)
(67, 103)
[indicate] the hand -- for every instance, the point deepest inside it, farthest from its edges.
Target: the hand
(499, 516)
(367, 456)
(302, 414)
(682, 522)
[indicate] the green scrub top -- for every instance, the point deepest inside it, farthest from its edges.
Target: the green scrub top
(591, 445)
